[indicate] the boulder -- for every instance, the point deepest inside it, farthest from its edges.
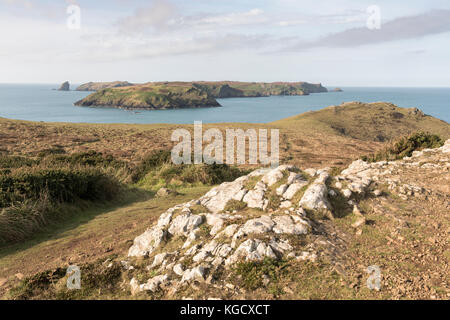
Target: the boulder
(255, 199)
(286, 225)
(154, 283)
(217, 198)
(178, 269)
(281, 189)
(255, 226)
(251, 250)
(315, 197)
(184, 224)
(294, 188)
(274, 175)
(196, 273)
(294, 177)
(165, 192)
(146, 243)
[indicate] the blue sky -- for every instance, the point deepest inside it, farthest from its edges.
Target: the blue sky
(324, 41)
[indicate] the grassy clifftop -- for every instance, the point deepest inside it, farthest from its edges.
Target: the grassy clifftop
(95, 86)
(174, 95)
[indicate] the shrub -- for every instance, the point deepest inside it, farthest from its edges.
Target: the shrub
(150, 162)
(405, 146)
(252, 272)
(158, 166)
(61, 185)
(50, 151)
(90, 158)
(8, 162)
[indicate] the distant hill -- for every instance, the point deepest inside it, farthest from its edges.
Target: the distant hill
(378, 121)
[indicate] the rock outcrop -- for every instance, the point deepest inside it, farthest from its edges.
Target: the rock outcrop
(65, 86)
(228, 238)
(217, 240)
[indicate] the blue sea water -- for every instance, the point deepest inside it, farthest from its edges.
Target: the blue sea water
(38, 102)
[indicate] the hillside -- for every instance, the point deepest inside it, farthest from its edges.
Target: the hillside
(117, 170)
(378, 121)
(172, 95)
(285, 233)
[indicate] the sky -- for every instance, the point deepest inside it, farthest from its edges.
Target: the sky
(333, 42)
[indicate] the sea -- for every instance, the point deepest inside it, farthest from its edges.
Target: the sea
(40, 102)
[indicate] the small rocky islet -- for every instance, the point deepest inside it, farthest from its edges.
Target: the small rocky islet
(65, 86)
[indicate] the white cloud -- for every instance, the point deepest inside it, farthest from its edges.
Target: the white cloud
(403, 28)
(160, 15)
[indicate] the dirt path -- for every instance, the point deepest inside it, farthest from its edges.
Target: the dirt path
(95, 234)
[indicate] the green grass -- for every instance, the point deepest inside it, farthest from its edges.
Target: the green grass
(235, 205)
(97, 280)
(251, 273)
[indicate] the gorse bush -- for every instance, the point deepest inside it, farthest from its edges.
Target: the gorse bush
(36, 192)
(405, 146)
(150, 162)
(157, 167)
(61, 185)
(8, 162)
(191, 174)
(89, 158)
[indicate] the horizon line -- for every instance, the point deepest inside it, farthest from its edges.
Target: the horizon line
(331, 86)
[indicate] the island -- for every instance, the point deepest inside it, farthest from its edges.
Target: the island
(65, 86)
(337, 90)
(151, 96)
(176, 95)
